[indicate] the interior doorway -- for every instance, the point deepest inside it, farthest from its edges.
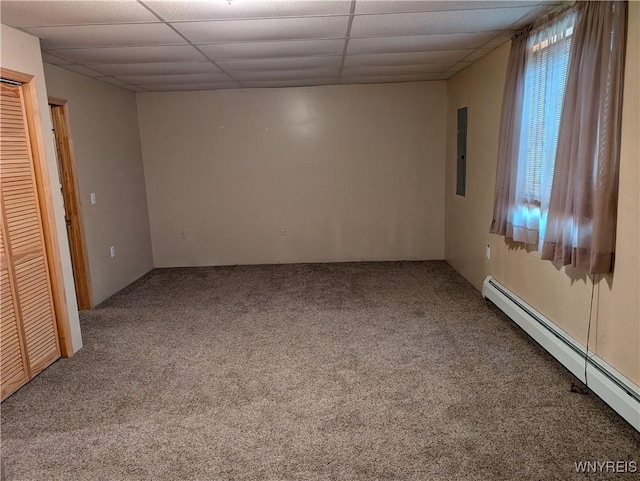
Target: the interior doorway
(71, 197)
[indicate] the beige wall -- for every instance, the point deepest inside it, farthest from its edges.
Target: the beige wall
(20, 51)
(350, 173)
(562, 295)
(106, 142)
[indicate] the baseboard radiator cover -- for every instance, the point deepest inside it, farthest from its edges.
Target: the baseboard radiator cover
(612, 387)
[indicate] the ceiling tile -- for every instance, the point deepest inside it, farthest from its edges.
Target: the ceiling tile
(131, 54)
(431, 23)
(498, 40)
(192, 86)
(419, 42)
(134, 88)
(287, 74)
(289, 83)
(215, 10)
(280, 63)
(40, 13)
(535, 13)
(82, 70)
(291, 48)
(459, 66)
(112, 81)
(52, 59)
(477, 54)
(155, 68)
(106, 35)
(266, 29)
(408, 58)
(385, 6)
(174, 79)
(396, 70)
(389, 78)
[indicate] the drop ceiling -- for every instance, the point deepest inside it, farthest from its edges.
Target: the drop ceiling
(216, 44)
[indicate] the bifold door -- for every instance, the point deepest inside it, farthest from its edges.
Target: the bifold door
(28, 331)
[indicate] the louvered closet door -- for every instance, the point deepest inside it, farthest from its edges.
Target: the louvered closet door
(13, 361)
(27, 274)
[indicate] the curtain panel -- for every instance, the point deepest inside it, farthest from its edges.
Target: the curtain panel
(572, 216)
(509, 141)
(582, 210)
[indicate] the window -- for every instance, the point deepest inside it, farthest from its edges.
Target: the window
(546, 67)
(559, 141)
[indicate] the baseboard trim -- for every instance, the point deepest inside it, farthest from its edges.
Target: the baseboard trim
(611, 386)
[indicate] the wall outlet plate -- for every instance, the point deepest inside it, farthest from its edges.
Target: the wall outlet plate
(112, 251)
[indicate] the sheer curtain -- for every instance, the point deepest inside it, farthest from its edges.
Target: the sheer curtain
(531, 110)
(582, 209)
(509, 140)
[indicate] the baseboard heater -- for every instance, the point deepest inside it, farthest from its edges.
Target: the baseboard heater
(611, 386)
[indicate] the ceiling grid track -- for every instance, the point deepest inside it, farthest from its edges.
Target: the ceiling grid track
(154, 45)
(347, 36)
(159, 17)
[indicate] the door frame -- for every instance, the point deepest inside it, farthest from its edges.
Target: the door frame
(45, 199)
(72, 202)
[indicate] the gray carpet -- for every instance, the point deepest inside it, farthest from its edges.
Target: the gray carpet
(361, 371)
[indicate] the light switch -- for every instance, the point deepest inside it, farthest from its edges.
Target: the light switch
(93, 198)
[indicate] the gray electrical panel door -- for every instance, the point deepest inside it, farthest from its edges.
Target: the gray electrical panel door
(461, 161)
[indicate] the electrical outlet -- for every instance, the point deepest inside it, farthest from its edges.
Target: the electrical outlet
(112, 251)
(93, 198)
(488, 251)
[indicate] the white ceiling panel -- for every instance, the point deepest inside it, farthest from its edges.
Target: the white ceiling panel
(280, 63)
(291, 48)
(389, 78)
(174, 79)
(387, 6)
(459, 66)
(288, 74)
(221, 9)
(443, 76)
(477, 54)
(535, 13)
(106, 35)
(396, 70)
(131, 54)
(498, 39)
(290, 83)
(155, 68)
(223, 43)
(191, 86)
(408, 58)
(419, 42)
(39, 13)
(266, 29)
(112, 81)
(431, 23)
(82, 70)
(134, 88)
(52, 59)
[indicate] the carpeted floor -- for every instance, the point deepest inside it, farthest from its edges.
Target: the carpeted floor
(362, 371)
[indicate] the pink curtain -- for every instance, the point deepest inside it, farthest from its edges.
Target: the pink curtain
(509, 140)
(581, 221)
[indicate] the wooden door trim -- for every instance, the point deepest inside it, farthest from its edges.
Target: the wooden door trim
(72, 201)
(45, 198)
